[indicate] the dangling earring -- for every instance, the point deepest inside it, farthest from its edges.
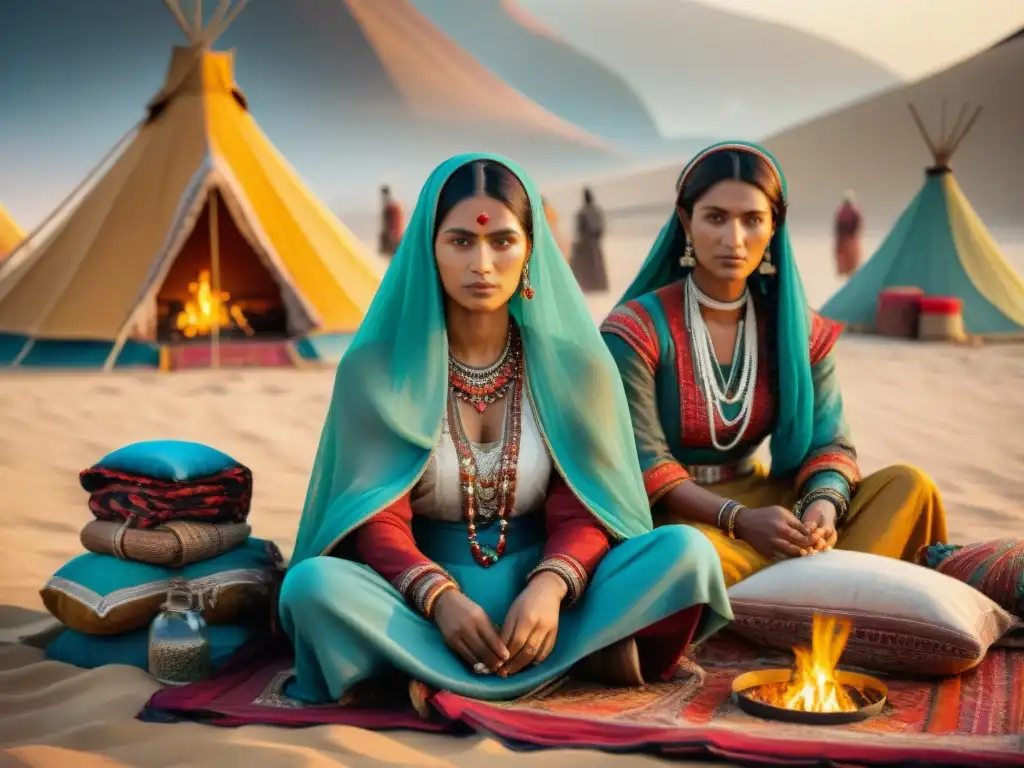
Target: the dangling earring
(766, 267)
(688, 260)
(525, 289)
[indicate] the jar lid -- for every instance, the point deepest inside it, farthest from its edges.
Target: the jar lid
(179, 596)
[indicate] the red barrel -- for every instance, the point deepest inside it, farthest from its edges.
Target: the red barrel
(941, 318)
(898, 312)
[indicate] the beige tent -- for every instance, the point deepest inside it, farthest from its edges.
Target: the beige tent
(198, 193)
(10, 233)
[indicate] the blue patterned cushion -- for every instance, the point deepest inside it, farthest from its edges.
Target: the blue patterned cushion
(172, 460)
(91, 651)
(102, 595)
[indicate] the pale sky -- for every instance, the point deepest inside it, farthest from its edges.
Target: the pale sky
(912, 37)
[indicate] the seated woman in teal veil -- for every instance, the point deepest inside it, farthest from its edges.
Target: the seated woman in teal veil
(718, 350)
(476, 518)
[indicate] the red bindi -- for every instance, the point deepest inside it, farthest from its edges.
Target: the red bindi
(483, 218)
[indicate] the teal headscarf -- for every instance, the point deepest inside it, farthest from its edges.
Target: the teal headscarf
(391, 388)
(795, 428)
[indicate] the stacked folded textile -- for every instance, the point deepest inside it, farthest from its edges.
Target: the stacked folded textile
(165, 511)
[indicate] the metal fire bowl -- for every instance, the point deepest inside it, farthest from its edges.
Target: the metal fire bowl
(871, 688)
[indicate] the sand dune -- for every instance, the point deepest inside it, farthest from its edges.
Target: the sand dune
(570, 83)
(874, 148)
(679, 56)
(947, 409)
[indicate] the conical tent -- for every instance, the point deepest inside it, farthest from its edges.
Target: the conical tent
(10, 233)
(199, 199)
(940, 245)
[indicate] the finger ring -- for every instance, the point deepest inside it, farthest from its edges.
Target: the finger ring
(480, 668)
(530, 650)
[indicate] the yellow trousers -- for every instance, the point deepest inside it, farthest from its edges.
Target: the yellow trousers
(894, 513)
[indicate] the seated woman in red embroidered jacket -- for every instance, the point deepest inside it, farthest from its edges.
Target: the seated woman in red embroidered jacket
(476, 519)
(718, 350)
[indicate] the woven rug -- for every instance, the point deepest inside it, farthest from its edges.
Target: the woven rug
(976, 719)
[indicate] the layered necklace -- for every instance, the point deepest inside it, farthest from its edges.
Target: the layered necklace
(481, 387)
(719, 392)
(487, 478)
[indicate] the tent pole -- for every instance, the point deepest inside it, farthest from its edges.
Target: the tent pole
(215, 277)
(175, 9)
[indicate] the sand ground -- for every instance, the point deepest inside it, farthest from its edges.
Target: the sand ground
(950, 410)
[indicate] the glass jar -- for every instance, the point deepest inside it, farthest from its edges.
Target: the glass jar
(179, 649)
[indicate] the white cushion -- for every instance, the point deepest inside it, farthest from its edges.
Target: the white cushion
(906, 618)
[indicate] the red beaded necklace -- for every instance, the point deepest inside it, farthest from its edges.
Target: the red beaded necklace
(505, 478)
(481, 387)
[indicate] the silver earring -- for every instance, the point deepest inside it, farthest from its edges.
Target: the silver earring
(688, 260)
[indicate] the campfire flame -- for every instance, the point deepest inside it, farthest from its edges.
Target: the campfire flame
(813, 686)
(207, 308)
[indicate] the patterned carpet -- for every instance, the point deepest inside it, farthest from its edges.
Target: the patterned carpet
(976, 719)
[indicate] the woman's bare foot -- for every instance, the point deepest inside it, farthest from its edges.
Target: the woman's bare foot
(618, 665)
(419, 693)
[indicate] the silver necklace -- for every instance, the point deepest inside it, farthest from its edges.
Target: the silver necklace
(708, 371)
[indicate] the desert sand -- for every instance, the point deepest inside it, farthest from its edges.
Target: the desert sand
(947, 409)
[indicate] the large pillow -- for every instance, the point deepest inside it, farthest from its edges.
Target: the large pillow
(91, 651)
(906, 618)
(102, 595)
(995, 568)
(171, 460)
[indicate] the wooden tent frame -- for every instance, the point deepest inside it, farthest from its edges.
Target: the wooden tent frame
(203, 34)
(948, 143)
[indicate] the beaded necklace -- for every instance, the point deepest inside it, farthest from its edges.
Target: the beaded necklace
(709, 376)
(501, 485)
(481, 387)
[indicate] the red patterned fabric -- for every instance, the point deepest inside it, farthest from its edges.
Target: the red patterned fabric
(662, 478)
(834, 459)
(824, 335)
(976, 719)
(995, 568)
(146, 503)
(633, 324)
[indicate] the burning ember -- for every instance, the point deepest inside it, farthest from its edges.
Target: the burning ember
(814, 690)
(207, 308)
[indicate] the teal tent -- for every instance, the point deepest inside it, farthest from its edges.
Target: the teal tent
(940, 245)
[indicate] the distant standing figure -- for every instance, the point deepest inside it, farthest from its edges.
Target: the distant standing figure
(391, 223)
(552, 216)
(849, 222)
(587, 254)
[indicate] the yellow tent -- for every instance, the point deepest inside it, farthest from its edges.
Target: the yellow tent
(10, 233)
(199, 206)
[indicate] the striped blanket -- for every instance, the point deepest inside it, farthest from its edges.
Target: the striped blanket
(144, 502)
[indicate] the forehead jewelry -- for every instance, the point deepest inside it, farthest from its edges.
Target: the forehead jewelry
(483, 218)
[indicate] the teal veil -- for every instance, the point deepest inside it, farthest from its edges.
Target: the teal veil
(391, 387)
(794, 433)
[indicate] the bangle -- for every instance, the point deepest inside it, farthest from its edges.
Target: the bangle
(837, 499)
(732, 520)
(422, 584)
(726, 519)
(431, 598)
(570, 570)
